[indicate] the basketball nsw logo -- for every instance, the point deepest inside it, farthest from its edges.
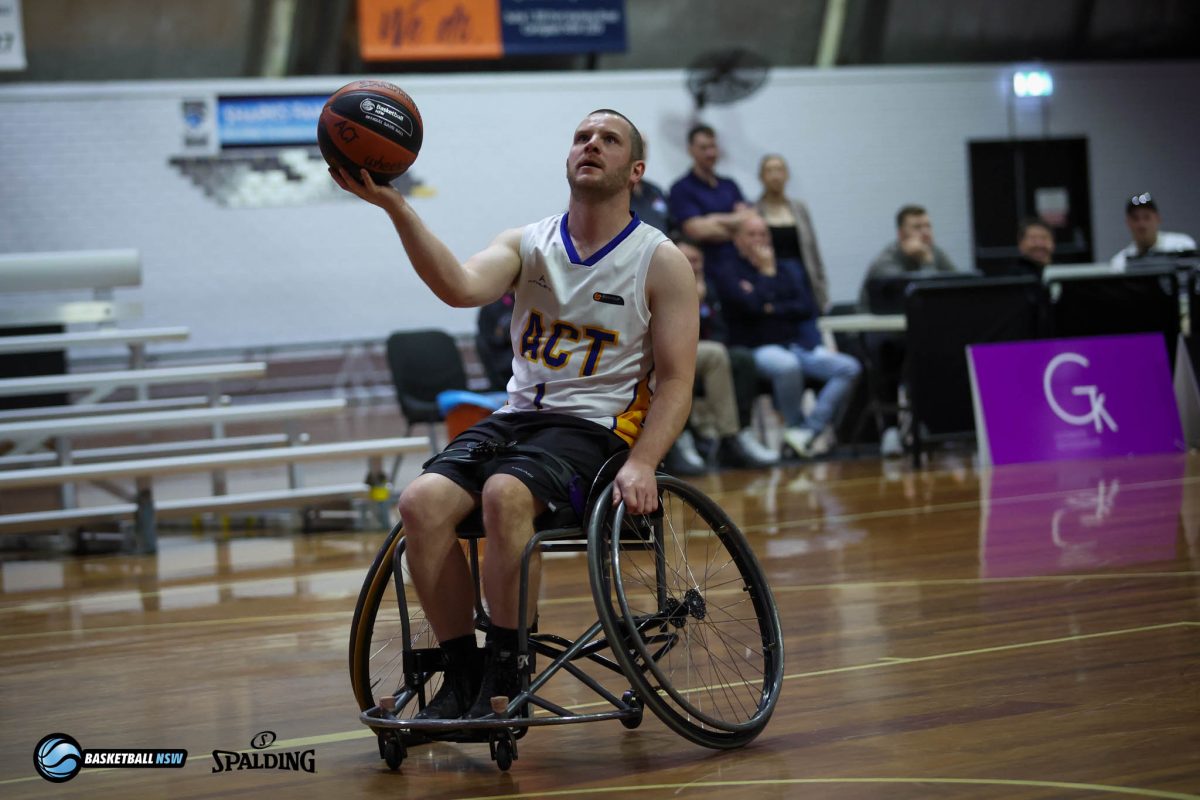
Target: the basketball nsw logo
(59, 758)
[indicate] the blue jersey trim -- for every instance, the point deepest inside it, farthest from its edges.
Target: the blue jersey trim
(573, 256)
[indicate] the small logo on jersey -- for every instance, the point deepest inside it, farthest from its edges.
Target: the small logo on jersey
(611, 299)
(540, 281)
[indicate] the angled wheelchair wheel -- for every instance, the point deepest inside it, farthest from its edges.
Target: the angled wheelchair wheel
(381, 627)
(687, 608)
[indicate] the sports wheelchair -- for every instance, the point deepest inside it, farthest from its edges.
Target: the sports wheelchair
(686, 621)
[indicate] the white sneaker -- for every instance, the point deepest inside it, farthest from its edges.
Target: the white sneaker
(890, 445)
(800, 440)
(756, 449)
(686, 452)
(822, 443)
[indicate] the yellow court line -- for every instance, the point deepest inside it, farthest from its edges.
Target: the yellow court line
(196, 623)
(1027, 784)
(936, 508)
(895, 661)
(783, 525)
(933, 582)
(560, 601)
(364, 732)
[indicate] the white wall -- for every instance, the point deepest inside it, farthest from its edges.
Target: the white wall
(85, 167)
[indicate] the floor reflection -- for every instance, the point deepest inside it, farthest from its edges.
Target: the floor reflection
(1070, 516)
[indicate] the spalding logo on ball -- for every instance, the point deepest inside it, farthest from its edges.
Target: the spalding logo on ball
(370, 124)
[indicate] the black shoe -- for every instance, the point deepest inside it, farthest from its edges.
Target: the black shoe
(501, 678)
(460, 686)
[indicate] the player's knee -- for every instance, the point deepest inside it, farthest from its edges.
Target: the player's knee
(423, 507)
(505, 500)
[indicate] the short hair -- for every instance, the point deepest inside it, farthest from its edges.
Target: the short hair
(679, 237)
(637, 145)
(1032, 222)
(700, 128)
(907, 211)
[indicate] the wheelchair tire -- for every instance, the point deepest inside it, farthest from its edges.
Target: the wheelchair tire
(688, 612)
(376, 633)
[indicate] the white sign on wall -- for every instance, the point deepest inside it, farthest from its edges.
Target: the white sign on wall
(12, 39)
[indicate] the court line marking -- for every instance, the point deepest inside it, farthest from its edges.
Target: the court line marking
(893, 661)
(1083, 787)
(961, 505)
(195, 623)
(771, 525)
(364, 732)
(561, 601)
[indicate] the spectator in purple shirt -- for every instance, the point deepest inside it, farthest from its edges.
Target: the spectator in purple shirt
(705, 206)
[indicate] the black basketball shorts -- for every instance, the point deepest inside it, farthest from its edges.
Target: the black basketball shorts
(555, 455)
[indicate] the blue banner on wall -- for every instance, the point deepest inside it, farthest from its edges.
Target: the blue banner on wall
(286, 120)
(544, 27)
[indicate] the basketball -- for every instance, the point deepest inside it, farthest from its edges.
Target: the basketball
(370, 124)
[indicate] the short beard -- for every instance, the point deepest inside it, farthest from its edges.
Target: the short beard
(594, 193)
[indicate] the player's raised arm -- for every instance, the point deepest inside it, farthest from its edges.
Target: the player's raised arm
(480, 280)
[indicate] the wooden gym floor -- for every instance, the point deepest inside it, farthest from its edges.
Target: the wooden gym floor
(1026, 632)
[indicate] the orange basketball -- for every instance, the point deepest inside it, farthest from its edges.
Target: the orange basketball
(370, 124)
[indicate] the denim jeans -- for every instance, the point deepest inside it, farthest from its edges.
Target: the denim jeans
(787, 366)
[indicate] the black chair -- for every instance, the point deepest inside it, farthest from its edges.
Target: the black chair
(942, 319)
(1145, 301)
(424, 363)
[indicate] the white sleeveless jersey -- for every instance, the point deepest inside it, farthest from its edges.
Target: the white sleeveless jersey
(581, 327)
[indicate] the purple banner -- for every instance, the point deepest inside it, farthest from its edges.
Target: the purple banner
(1074, 398)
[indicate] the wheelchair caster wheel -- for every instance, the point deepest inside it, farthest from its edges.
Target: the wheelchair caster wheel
(631, 699)
(504, 750)
(393, 752)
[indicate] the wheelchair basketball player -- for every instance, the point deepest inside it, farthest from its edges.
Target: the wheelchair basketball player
(604, 336)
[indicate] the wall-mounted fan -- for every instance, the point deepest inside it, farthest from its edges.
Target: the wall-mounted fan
(726, 76)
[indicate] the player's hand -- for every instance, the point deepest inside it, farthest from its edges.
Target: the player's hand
(366, 188)
(636, 485)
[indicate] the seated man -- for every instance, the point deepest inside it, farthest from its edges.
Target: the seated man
(598, 370)
(1143, 221)
(1035, 243)
(727, 380)
(770, 306)
(913, 252)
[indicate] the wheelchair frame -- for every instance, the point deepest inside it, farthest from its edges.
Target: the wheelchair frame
(637, 643)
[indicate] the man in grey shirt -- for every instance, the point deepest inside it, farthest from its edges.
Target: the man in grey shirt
(913, 250)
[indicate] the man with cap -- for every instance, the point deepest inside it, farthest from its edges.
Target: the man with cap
(1141, 215)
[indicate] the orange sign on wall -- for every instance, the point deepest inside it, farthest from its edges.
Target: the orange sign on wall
(411, 30)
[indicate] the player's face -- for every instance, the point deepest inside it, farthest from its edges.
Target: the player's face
(1037, 245)
(1143, 224)
(600, 162)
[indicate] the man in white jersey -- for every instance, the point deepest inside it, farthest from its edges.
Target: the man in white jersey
(604, 335)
